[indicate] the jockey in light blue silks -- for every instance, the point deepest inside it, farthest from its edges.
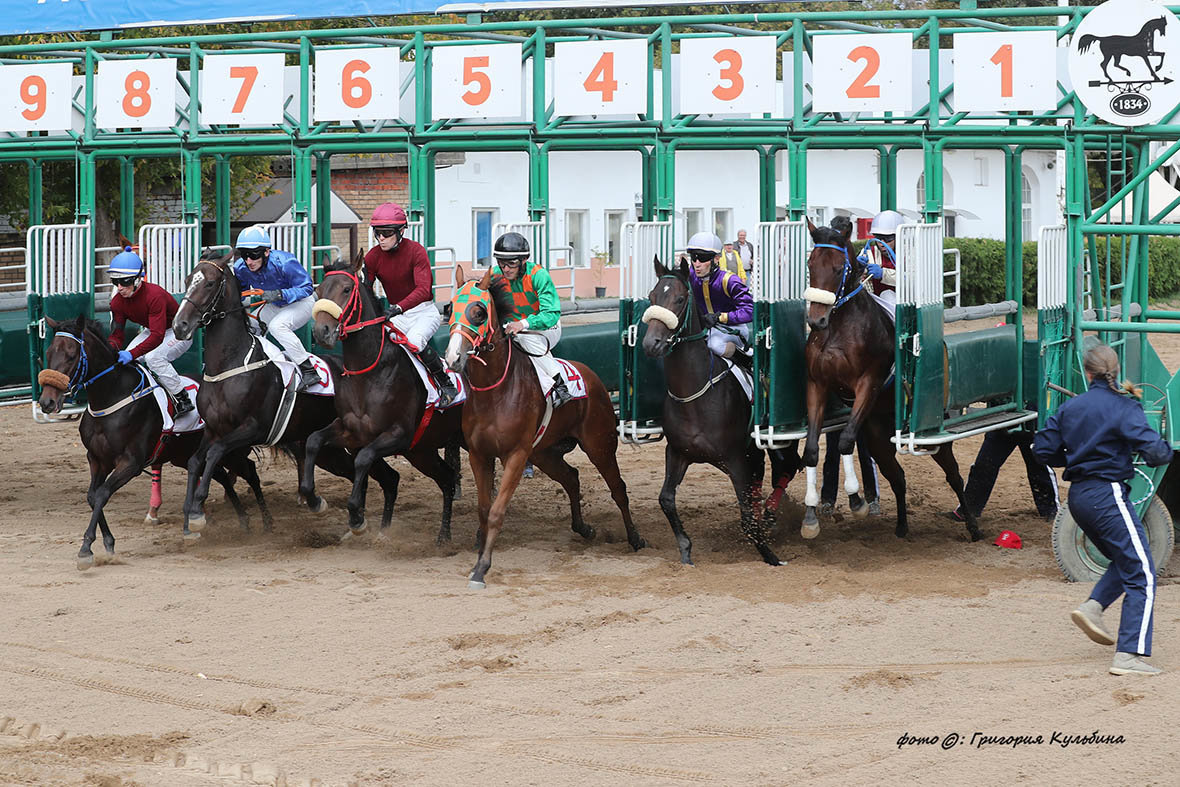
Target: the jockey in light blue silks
(879, 255)
(725, 303)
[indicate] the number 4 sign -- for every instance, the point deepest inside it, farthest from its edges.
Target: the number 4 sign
(869, 72)
(1005, 71)
(600, 77)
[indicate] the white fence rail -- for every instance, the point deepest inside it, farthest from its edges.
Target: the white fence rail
(919, 264)
(169, 251)
(59, 259)
(780, 272)
(1051, 267)
(642, 242)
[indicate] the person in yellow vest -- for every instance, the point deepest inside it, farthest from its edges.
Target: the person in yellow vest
(535, 324)
(731, 261)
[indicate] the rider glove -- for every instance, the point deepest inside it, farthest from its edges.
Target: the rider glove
(124, 357)
(708, 320)
(875, 270)
(393, 311)
(272, 296)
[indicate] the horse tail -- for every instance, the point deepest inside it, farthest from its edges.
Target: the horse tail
(1086, 42)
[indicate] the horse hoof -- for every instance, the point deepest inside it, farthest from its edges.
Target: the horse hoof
(809, 531)
(827, 509)
(85, 562)
(360, 529)
(197, 523)
(320, 507)
(473, 585)
(151, 520)
(192, 536)
(862, 512)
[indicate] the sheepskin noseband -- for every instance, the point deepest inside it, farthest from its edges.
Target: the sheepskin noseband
(327, 306)
(816, 295)
(666, 316)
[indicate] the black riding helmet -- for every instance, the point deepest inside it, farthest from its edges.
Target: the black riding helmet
(511, 246)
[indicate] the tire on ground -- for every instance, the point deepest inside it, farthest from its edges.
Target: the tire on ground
(1081, 561)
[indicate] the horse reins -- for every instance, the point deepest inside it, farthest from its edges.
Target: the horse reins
(841, 298)
(353, 308)
(78, 379)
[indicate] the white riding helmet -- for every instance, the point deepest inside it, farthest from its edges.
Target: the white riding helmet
(704, 241)
(886, 223)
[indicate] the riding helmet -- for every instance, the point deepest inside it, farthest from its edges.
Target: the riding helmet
(704, 241)
(886, 223)
(389, 214)
(126, 263)
(511, 246)
(253, 237)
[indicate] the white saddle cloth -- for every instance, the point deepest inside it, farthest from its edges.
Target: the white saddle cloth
(326, 387)
(190, 421)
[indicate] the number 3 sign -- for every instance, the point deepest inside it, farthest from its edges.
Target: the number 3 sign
(872, 72)
(35, 97)
(135, 93)
(476, 81)
(730, 75)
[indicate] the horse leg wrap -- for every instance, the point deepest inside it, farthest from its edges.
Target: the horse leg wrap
(812, 498)
(777, 495)
(851, 485)
(157, 494)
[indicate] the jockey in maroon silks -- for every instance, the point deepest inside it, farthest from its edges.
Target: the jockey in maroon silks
(725, 303)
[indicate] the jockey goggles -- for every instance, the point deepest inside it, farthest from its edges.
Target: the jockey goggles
(387, 232)
(252, 254)
(702, 256)
(123, 281)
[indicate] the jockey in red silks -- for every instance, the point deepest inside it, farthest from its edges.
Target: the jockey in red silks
(725, 303)
(879, 255)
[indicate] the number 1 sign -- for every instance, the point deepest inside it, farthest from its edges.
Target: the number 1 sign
(35, 97)
(1005, 71)
(600, 77)
(869, 72)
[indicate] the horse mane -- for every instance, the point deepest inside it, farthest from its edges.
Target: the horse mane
(501, 292)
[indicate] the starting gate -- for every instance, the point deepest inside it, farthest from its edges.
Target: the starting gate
(641, 379)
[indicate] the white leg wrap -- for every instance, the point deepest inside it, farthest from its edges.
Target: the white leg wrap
(850, 483)
(812, 498)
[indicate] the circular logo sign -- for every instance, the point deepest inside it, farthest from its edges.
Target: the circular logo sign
(1123, 62)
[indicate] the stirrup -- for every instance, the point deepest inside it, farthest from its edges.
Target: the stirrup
(447, 392)
(184, 403)
(561, 394)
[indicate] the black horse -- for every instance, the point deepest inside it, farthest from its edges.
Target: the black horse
(126, 435)
(849, 353)
(380, 399)
(707, 414)
(243, 390)
(1140, 45)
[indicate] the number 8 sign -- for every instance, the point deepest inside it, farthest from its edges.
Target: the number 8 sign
(135, 93)
(870, 72)
(35, 97)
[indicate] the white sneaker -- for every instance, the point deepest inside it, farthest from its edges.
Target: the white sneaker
(1088, 617)
(1131, 664)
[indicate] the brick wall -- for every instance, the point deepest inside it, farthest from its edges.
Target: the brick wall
(365, 189)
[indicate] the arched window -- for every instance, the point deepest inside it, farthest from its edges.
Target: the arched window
(948, 192)
(1026, 217)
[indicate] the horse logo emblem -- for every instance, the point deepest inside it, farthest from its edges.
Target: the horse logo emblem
(1120, 62)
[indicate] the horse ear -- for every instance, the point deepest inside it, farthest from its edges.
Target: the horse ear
(358, 261)
(486, 282)
(459, 277)
(52, 323)
(846, 233)
(684, 267)
(811, 227)
(660, 269)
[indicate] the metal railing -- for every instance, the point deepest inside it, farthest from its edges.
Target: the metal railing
(919, 270)
(956, 275)
(1052, 256)
(169, 251)
(781, 273)
(642, 242)
(22, 282)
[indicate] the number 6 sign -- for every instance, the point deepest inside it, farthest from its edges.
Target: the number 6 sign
(871, 72)
(135, 93)
(357, 84)
(476, 81)
(730, 75)
(243, 89)
(35, 97)
(1005, 71)
(600, 77)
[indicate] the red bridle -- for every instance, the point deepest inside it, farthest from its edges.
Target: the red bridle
(350, 319)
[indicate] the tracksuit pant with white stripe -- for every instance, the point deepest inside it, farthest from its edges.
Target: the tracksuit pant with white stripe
(1104, 512)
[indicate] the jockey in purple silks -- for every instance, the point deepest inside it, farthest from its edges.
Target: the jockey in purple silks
(725, 303)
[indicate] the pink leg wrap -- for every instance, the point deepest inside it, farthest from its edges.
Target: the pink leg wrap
(157, 495)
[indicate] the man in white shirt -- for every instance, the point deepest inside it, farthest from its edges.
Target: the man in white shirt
(745, 250)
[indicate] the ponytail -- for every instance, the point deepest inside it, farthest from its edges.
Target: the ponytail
(1101, 361)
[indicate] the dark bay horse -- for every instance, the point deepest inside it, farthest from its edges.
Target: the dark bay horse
(504, 413)
(1140, 45)
(128, 436)
(242, 392)
(707, 414)
(380, 399)
(849, 353)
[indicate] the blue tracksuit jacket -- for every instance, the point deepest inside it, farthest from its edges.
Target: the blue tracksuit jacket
(282, 271)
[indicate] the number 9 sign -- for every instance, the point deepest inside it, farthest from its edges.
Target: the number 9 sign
(476, 81)
(727, 75)
(35, 97)
(135, 93)
(870, 72)
(357, 84)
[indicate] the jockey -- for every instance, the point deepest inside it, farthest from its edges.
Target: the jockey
(726, 307)
(879, 255)
(402, 267)
(538, 309)
(286, 288)
(150, 306)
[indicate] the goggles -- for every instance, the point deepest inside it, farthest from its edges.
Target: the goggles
(123, 281)
(697, 255)
(509, 262)
(252, 254)
(387, 232)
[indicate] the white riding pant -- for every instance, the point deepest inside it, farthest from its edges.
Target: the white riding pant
(720, 340)
(889, 296)
(539, 345)
(419, 324)
(283, 321)
(160, 359)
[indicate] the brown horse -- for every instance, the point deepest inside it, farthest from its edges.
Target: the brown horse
(380, 399)
(849, 353)
(504, 417)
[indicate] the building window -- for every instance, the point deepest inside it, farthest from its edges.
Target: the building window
(821, 215)
(1026, 222)
(920, 192)
(694, 221)
(482, 220)
(575, 238)
(614, 235)
(723, 223)
(980, 171)
(948, 226)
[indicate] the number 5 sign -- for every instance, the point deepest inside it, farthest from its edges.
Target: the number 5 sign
(135, 93)
(600, 77)
(476, 81)
(870, 72)
(357, 84)
(730, 75)
(1005, 71)
(244, 89)
(35, 97)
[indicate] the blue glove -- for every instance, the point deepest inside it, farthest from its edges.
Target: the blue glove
(875, 270)
(272, 296)
(124, 357)
(863, 257)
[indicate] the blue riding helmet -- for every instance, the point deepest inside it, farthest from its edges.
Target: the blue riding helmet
(125, 264)
(253, 237)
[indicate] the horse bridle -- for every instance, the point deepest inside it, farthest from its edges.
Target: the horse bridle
(353, 308)
(209, 314)
(681, 319)
(839, 298)
(78, 379)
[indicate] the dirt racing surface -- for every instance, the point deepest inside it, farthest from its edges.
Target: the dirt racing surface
(289, 658)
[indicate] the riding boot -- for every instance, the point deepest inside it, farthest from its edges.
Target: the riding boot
(561, 394)
(446, 389)
(308, 374)
(183, 403)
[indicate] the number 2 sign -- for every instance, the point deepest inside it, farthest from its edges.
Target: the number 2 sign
(135, 93)
(243, 89)
(1005, 71)
(476, 81)
(35, 97)
(600, 77)
(871, 72)
(727, 75)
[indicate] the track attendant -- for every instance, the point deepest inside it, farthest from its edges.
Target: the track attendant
(1094, 435)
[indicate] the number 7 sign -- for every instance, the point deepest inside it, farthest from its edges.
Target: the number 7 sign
(600, 77)
(243, 89)
(871, 72)
(1005, 71)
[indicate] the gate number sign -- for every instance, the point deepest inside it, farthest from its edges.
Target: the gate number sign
(1005, 71)
(135, 93)
(35, 97)
(863, 73)
(600, 78)
(482, 81)
(243, 89)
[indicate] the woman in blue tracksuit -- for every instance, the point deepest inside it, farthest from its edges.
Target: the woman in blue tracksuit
(1094, 435)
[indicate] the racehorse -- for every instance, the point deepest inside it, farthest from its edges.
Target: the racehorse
(849, 352)
(243, 390)
(505, 414)
(707, 414)
(125, 433)
(380, 399)
(1140, 45)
